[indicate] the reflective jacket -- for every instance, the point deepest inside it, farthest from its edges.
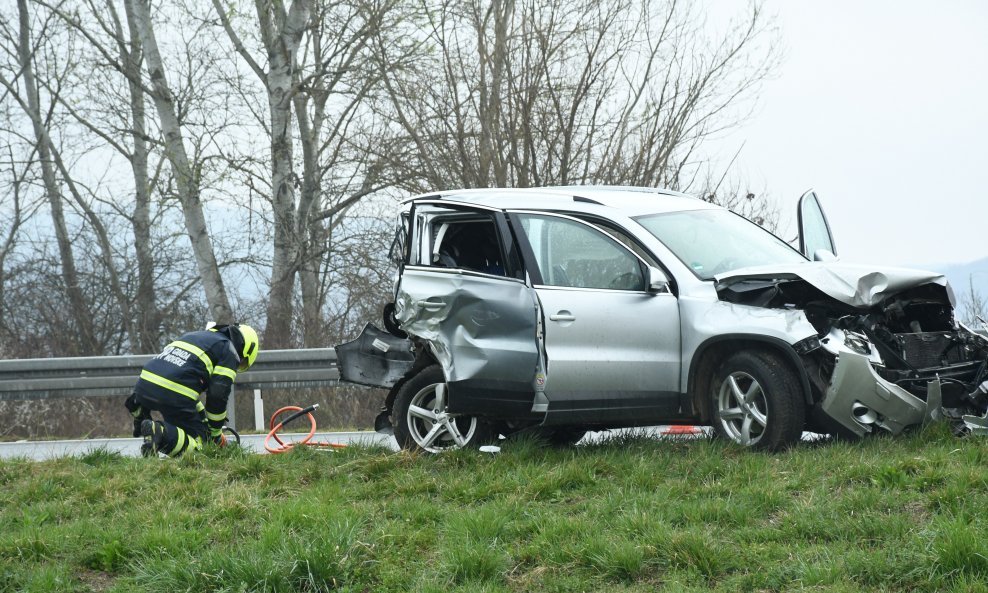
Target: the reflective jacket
(201, 361)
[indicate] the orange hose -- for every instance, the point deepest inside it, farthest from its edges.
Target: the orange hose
(282, 446)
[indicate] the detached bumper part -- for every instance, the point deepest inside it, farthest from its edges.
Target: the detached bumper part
(376, 358)
(858, 399)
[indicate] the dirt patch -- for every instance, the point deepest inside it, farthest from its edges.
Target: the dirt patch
(95, 580)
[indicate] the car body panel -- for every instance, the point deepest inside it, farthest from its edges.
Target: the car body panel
(856, 285)
(590, 375)
(481, 329)
(859, 398)
(704, 319)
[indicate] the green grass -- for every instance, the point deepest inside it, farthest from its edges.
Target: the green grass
(630, 515)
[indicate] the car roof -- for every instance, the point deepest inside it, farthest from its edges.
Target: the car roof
(630, 201)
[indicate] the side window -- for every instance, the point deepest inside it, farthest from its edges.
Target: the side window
(399, 243)
(576, 255)
(466, 244)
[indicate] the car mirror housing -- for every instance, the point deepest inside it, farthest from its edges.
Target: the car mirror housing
(824, 255)
(657, 280)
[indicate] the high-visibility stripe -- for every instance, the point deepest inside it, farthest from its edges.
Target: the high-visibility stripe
(197, 351)
(200, 407)
(169, 385)
(179, 443)
(225, 372)
(216, 417)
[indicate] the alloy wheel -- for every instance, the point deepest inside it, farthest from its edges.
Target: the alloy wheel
(432, 427)
(742, 409)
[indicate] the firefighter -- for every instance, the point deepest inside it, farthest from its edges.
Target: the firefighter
(198, 362)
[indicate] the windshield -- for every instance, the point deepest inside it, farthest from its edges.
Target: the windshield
(712, 242)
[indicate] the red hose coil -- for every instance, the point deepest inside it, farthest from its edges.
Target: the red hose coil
(283, 446)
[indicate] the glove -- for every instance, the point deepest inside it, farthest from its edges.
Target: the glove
(217, 437)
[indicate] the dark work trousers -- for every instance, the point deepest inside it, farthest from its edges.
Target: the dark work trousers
(184, 419)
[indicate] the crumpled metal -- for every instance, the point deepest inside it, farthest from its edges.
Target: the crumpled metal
(860, 286)
(486, 324)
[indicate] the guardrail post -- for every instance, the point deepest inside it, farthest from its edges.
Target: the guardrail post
(258, 411)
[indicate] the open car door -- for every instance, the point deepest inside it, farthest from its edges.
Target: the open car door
(463, 293)
(815, 239)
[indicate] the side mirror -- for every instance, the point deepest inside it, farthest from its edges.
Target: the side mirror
(824, 255)
(657, 280)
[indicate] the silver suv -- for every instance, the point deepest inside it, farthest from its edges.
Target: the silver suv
(561, 310)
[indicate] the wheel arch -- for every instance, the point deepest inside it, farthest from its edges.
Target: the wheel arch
(423, 359)
(712, 352)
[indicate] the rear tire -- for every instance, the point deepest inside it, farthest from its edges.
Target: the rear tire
(421, 422)
(757, 402)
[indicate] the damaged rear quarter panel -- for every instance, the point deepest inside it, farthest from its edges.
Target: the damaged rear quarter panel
(478, 327)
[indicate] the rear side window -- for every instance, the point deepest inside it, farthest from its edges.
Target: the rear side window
(576, 255)
(466, 244)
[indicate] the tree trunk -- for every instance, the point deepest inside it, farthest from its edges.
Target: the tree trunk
(148, 317)
(282, 33)
(284, 264)
(188, 187)
(87, 343)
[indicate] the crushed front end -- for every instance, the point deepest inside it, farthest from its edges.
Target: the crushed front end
(889, 353)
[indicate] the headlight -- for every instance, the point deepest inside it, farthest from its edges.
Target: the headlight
(839, 339)
(857, 343)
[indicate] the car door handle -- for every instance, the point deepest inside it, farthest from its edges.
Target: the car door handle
(432, 304)
(562, 316)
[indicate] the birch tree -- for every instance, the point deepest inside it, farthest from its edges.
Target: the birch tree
(280, 31)
(315, 73)
(186, 180)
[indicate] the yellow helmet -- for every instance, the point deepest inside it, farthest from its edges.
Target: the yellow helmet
(249, 353)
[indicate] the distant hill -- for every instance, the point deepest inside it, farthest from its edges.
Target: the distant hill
(963, 276)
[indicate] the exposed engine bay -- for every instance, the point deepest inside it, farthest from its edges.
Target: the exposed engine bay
(925, 365)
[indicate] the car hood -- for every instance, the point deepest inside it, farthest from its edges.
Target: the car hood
(861, 286)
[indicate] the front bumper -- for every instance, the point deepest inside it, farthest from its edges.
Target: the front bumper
(859, 399)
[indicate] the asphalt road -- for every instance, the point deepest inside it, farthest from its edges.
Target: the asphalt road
(42, 450)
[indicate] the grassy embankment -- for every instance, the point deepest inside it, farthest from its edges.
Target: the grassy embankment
(889, 514)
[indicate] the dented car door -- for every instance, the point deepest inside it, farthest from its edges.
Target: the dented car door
(462, 292)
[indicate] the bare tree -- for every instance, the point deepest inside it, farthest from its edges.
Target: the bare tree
(547, 92)
(18, 209)
(186, 179)
(25, 88)
(317, 75)
(281, 32)
(974, 307)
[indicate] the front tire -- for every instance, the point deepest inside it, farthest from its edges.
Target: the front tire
(757, 401)
(421, 422)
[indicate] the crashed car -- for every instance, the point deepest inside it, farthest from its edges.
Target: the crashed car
(563, 310)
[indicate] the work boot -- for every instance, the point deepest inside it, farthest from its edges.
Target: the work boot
(152, 432)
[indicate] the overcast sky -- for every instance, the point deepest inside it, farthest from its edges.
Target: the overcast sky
(882, 107)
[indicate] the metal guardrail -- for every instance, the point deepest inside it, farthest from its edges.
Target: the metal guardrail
(46, 378)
